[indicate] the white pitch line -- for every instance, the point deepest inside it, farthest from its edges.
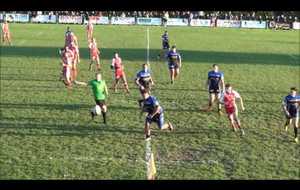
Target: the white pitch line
(148, 156)
(148, 46)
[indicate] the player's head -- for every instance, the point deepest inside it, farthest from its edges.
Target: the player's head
(116, 54)
(228, 87)
(68, 29)
(61, 51)
(145, 66)
(215, 67)
(173, 48)
(94, 40)
(98, 76)
(294, 91)
(145, 93)
(166, 32)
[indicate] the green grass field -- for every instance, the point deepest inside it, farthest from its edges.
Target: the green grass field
(46, 132)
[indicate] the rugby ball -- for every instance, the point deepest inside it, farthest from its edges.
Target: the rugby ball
(96, 110)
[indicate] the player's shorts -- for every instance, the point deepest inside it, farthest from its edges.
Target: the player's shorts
(293, 113)
(158, 119)
(66, 72)
(118, 73)
(230, 110)
(215, 90)
(173, 66)
(165, 45)
(94, 57)
(100, 102)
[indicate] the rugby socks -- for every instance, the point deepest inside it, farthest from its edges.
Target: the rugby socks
(104, 117)
(296, 131)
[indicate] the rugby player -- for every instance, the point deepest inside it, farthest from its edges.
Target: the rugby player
(100, 93)
(215, 84)
(291, 107)
(155, 114)
(66, 62)
(119, 72)
(144, 80)
(89, 30)
(228, 98)
(70, 37)
(94, 54)
(5, 33)
(75, 60)
(165, 45)
(174, 63)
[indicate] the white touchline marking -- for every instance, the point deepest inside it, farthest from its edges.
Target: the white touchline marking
(148, 157)
(148, 46)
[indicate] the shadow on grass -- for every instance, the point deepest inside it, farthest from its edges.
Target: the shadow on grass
(88, 129)
(74, 107)
(139, 55)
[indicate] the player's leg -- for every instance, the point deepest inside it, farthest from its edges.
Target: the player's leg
(8, 38)
(218, 95)
(103, 110)
(231, 120)
(147, 128)
(176, 72)
(211, 99)
(116, 83)
(287, 123)
(238, 122)
(125, 82)
(98, 63)
(161, 123)
(296, 126)
(172, 73)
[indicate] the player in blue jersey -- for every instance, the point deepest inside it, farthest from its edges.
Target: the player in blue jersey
(155, 114)
(165, 45)
(174, 63)
(215, 84)
(291, 107)
(144, 80)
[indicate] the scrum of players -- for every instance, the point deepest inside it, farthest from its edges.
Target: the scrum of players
(219, 92)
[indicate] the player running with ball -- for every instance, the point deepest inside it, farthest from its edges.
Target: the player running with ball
(155, 114)
(100, 93)
(291, 107)
(228, 98)
(144, 81)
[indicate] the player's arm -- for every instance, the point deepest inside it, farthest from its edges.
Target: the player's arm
(81, 83)
(151, 80)
(207, 83)
(223, 82)
(156, 111)
(284, 107)
(242, 103)
(112, 66)
(137, 79)
(106, 90)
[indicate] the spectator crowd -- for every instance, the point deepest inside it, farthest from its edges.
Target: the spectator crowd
(276, 16)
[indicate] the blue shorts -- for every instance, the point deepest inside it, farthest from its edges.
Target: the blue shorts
(293, 113)
(165, 45)
(158, 118)
(173, 66)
